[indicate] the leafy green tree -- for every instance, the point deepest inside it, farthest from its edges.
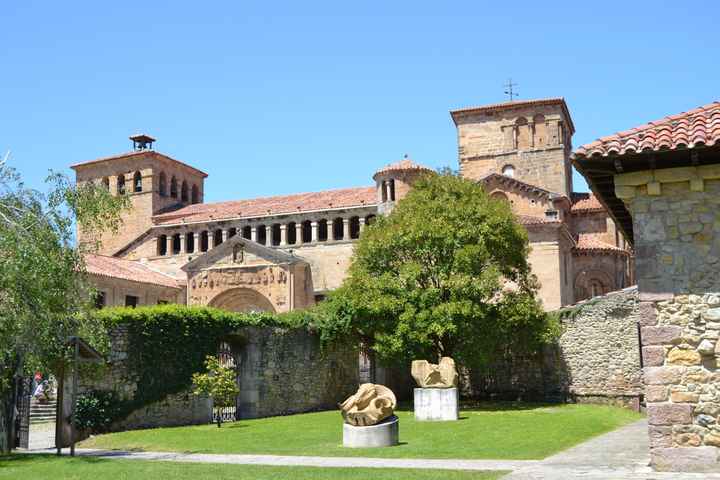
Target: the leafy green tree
(43, 291)
(445, 274)
(218, 383)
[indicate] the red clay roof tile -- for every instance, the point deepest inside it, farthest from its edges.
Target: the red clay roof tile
(283, 204)
(128, 270)
(403, 165)
(595, 242)
(585, 202)
(700, 126)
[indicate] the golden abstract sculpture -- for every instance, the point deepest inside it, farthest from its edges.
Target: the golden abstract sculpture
(429, 375)
(370, 405)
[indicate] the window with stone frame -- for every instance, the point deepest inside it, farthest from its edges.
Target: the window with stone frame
(131, 301)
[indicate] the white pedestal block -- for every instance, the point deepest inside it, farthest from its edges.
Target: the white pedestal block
(436, 404)
(385, 434)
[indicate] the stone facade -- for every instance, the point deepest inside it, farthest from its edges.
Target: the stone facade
(676, 217)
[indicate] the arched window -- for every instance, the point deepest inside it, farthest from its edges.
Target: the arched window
(162, 245)
(184, 191)
(291, 233)
(162, 184)
(137, 182)
(195, 195)
(247, 232)
(275, 240)
(232, 232)
(508, 171)
(354, 227)
(173, 187)
(121, 184)
(106, 183)
(540, 130)
(383, 191)
(370, 219)
(176, 244)
(392, 190)
(337, 226)
(204, 241)
(190, 242)
(322, 230)
(522, 134)
(217, 237)
(261, 234)
(306, 231)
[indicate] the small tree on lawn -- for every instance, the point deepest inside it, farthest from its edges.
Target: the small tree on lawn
(217, 383)
(445, 274)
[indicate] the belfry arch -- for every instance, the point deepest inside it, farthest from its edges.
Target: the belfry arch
(242, 300)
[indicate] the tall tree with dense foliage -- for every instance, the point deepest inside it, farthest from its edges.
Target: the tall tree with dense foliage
(445, 274)
(42, 287)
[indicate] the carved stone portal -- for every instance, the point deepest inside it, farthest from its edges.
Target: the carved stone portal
(429, 375)
(370, 405)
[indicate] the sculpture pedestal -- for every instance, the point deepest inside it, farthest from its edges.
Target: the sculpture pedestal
(436, 404)
(384, 434)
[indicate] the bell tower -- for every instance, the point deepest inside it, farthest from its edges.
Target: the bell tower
(155, 183)
(530, 140)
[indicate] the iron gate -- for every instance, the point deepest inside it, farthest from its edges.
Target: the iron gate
(228, 358)
(22, 420)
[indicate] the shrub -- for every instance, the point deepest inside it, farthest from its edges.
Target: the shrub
(96, 410)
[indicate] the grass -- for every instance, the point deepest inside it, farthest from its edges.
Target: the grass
(512, 431)
(82, 468)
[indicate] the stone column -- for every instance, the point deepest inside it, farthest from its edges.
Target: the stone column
(298, 233)
(283, 234)
(253, 233)
(362, 224)
(211, 239)
(314, 226)
(346, 228)
(183, 245)
(224, 235)
(676, 223)
(169, 248)
(196, 242)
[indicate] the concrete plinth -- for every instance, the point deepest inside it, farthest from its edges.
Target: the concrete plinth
(384, 434)
(436, 404)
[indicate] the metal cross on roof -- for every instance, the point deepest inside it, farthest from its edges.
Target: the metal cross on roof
(509, 89)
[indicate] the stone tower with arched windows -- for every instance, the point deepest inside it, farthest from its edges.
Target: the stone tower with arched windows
(528, 140)
(155, 183)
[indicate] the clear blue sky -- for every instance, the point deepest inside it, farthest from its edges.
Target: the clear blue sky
(281, 97)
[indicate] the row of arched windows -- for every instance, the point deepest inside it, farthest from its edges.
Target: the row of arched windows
(185, 193)
(295, 233)
(530, 135)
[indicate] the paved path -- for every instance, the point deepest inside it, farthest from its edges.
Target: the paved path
(618, 455)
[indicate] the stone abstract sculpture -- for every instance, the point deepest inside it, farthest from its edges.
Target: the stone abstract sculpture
(370, 405)
(429, 375)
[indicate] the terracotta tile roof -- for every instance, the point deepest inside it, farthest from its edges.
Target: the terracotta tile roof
(139, 153)
(585, 202)
(403, 165)
(530, 220)
(128, 270)
(700, 126)
(595, 242)
(283, 204)
(495, 107)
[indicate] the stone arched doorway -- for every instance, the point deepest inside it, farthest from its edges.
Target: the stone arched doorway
(592, 283)
(242, 300)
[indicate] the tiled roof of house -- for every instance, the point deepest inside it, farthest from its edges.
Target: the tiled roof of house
(282, 204)
(128, 270)
(494, 107)
(402, 166)
(700, 126)
(531, 220)
(585, 202)
(594, 242)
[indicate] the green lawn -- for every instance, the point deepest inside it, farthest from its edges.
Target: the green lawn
(65, 468)
(494, 431)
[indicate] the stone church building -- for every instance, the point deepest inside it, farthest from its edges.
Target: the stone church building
(286, 252)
